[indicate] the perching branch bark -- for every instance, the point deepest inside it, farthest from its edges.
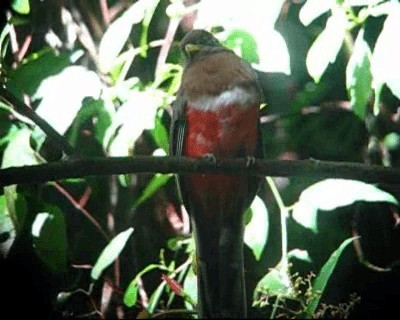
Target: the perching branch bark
(147, 164)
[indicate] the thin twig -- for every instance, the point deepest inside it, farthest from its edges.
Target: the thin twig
(92, 219)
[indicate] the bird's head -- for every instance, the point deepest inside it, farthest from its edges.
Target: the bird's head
(198, 41)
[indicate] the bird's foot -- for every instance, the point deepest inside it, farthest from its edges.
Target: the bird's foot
(210, 157)
(250, 161)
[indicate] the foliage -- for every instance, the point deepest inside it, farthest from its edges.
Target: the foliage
(103, 74)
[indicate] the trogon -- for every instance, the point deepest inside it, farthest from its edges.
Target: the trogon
(216, 115)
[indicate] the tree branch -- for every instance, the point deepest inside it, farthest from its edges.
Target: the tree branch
(80, 168)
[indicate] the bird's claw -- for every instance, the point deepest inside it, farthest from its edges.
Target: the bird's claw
(250, 161)
(210, 157)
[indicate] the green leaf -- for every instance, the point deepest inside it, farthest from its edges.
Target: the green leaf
(155, 183)
(4, 41)
(312, 9)
(18, 152)
(160, 133)
(151, 6)
(91, 109)
(131, 293)
(327, 45)
(16, 206)
(256, 231)
(330, 194)
(299, 255)
(134, 116)
(190, 289)
(7, 229)
(385, 60)
(276, 282)
(42, 64)
(358, 76)
(21, 6)
(50, 238)
(118, 33)
(243, 42)
(110, 253)
(322, 279)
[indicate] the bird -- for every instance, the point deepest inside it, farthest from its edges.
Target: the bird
(216, 116)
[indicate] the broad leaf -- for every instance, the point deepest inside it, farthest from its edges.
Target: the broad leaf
(131, 293)
(7, 230)
(312, 9)
(323, 277)
(358, 76)
(151, 6)
(91, 109)
(42, 64)
(256, 231)
(16, 207)
(330, 194)
(190, 288)
(327, 45)
(385, 59)
(244, 44)
(118, 33)
(50, 238)
(18, 152)
(134, 116)
(160, 133)
(62, 95)
(110, 253)
(271, 49)
(276, 283)
(21, 6)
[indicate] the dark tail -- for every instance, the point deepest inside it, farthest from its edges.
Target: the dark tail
(221, 287)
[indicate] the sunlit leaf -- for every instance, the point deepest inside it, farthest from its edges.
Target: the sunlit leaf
(151, 6)
(16, 206)
(7, 230)
(233, 15)
(62, 95)
(166, 72)
(385, 60)
(327, 45)
(299, 255)
(324, 275)
(110, 253)
(131, 293)
(273, 53)
(358, 76)
(118, 33)
(190, 288)
(256, 231)
(154, 185)
(134, 116)
(160, 133)
(330, 194)
(276, 282)
(244, 44)
(42, 64)
(312, 9)
(95, 110)
(50, 238)
(18, 152)
(21, 6)
(4, 40)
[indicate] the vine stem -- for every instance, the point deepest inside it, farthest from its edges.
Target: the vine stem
(284, 214)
